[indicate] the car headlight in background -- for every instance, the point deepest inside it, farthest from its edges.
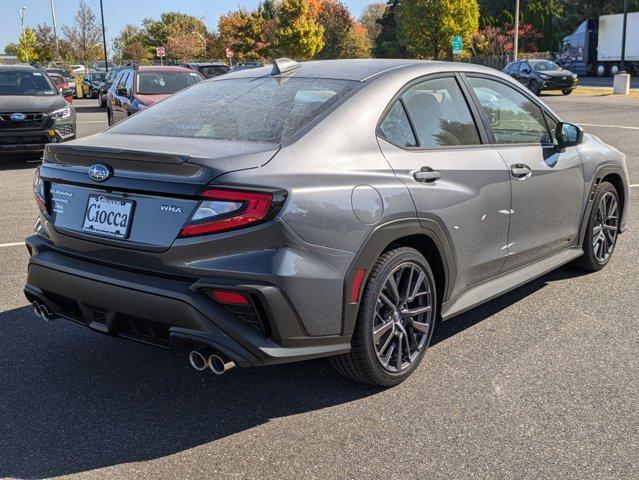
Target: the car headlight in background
(62, 113)
(544, 76)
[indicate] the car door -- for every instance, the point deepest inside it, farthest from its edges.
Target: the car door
(524, 74)
(120, 97)
(430, 138)
(547, 183)
(513, 70)
(86, 82)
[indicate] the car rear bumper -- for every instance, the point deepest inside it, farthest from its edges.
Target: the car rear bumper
(173, 313)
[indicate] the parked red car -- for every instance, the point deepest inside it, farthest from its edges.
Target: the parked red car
(62, 86)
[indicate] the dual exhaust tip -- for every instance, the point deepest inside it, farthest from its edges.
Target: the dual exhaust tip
(41, 311)
(201, 360)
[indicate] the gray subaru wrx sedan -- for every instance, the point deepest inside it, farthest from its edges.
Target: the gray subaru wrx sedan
(326, 209)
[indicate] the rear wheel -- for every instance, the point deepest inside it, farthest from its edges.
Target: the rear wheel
(395, 320)
(567, 91)
(602, 230)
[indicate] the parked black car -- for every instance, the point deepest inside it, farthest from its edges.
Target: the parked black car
(246, 66)
(106, 84)
(540, 75)
(33, 112)
(209, 70)
(91, 84)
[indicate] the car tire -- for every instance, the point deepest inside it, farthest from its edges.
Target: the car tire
(366, 362)
(534, 87)
(567, 91)
(602, 229)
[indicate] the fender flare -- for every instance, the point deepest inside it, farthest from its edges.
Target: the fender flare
(377, 241)
(601, 172)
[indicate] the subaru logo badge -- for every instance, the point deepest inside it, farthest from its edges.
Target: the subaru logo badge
(18, 117)
(99, 172)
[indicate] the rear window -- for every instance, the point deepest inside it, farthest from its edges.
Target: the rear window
(164, 83)
(261, 109)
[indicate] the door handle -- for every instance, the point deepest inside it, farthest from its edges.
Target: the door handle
(521, 171)
(427, 175)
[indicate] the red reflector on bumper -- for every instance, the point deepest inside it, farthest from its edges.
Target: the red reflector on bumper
(229, 298)
(357, 284)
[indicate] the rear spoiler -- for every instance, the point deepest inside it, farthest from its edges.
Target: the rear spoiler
(54, 149)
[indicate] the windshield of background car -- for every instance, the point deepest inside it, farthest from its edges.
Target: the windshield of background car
(261, 109)
(213, 71)
(57, 79)
(165, 83)
(545, 66)
(99, 77)
(25, 83)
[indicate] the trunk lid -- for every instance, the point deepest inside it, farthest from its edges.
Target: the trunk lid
(152, 186)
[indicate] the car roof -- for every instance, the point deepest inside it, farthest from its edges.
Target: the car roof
(356, 69)
(208, 64)
(155, 68)
(18, 68)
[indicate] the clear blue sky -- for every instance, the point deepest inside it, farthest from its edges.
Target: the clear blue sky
(118, 13)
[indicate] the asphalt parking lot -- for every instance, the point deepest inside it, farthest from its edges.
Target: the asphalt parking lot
(540, 383)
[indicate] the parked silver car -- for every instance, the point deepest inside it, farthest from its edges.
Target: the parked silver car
(329, 209)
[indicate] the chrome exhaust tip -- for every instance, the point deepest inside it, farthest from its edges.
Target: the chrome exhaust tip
(36, 309)
(45, 314)
(197, 360)
(218, 366)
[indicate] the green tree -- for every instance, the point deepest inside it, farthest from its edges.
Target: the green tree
(387, 44)
(358, 43)
(85, 35)
(11, 49)
(267, 9)
(298, 34)
(27, 46)
(426, 27)
(244, 32)
(371, 17)
(338, 23)
(176, 28)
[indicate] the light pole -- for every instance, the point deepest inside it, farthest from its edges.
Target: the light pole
(21, 12)
(623, 37)
(516, 45)
(203, 40)
(55, 32)
(106, 59)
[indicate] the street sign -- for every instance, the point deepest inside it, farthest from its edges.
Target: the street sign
(229, 53)
(457, 44)
(160, 52)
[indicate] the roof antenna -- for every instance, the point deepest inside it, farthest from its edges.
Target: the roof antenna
(283, 65)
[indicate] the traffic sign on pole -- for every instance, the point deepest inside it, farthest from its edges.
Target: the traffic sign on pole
(457, 44)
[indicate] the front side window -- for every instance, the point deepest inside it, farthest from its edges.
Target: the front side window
(440, 114)
(269, 110)
(514, 118)
(396, 127)
(18, 82)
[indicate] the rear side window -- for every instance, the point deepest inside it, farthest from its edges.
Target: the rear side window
(514, 118)
(214, 71)
(440, 114)
(396, 127)
(258, 109)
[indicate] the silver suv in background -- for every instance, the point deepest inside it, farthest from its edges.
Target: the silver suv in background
(326, 209)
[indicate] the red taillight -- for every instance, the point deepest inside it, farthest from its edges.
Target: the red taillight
(229, 298)
(221, 210)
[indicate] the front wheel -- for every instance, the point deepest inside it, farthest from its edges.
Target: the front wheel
(603, 226)
(567, 91)
(534, 87)
(395, 320)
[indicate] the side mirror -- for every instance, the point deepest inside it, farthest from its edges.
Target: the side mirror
(122, 92)
(568, 135)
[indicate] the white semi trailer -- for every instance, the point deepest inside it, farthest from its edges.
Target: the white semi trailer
(595, 47)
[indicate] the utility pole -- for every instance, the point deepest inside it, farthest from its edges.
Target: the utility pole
(55, 32)
(516, 45)
(623, 37)
(106, 60)
(21, 12)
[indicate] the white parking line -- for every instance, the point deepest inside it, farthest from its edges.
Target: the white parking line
(93, 121)
(634, 185)
(609, 126)
(14, 244)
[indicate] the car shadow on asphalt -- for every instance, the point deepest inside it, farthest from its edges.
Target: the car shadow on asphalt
(89, 108)
(22, 161)
(73, 400)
